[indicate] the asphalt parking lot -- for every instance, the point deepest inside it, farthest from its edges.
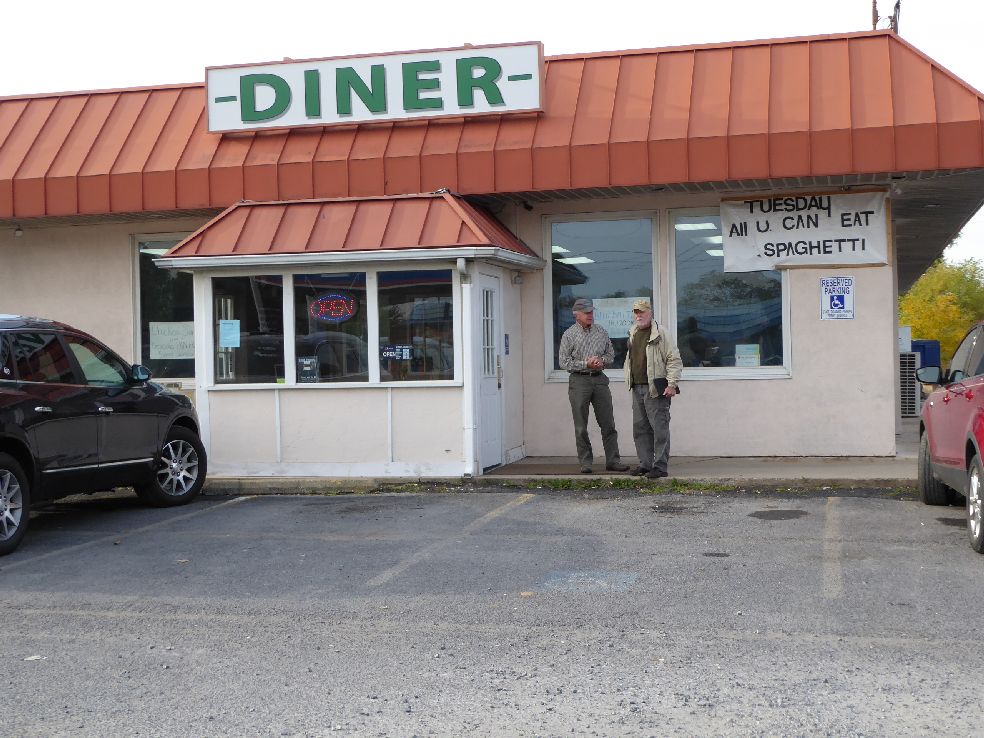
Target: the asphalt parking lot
(495, 613)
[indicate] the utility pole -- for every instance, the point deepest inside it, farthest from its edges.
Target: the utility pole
(874, 15)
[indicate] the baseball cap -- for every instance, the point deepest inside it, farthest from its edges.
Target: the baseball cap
(642, 304)
(583, 305)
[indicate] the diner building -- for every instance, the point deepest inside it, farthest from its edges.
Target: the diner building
(362, 267)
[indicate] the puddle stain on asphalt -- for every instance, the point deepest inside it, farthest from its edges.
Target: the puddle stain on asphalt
(778, 514)
(953, 522)
(716, 554)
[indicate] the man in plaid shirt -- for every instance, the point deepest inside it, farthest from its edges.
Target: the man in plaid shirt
(585, 351)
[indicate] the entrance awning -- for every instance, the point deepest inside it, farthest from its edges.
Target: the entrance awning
(429, 226)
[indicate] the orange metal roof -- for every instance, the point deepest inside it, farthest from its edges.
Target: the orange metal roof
(827, 105)
(431, 221)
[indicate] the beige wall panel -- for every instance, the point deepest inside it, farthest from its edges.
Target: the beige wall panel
(839, 401)
(427, 425)
(333, 425)
(81, 275)
(243, 427)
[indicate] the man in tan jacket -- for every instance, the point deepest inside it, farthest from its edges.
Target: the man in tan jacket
(652, 371)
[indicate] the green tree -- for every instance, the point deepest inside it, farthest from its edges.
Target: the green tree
(944, 302)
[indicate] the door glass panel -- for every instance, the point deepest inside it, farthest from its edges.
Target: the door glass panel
(488, 333)
(97, 364)
(958, 364)
(167, 316)
(40, 357)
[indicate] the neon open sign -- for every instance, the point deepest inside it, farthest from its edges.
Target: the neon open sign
(333, 308)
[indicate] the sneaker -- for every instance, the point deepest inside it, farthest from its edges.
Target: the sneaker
(656, 474)
(639, 471)
(617, 467)
(585, 470)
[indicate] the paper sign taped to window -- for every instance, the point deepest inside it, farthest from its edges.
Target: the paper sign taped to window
(747, 354)
(172, 340)
(228, 334)
(614, 314)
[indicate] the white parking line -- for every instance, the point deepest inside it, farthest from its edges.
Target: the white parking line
(120, 536)
(425, 552)
(833, 579)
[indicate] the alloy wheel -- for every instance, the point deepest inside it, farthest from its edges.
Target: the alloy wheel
(11, 504)
(974, 513)
(178, 470)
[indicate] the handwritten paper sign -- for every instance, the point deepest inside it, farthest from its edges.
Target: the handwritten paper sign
(172, 340)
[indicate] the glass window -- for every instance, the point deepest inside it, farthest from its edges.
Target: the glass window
(958, 364)
(975, 366)
(609, 261)
(6, 359)
(41, 357)
(332, 335)
(248, 329)
(723, 319)
(416, 330)
(167, 319)
(98, 366)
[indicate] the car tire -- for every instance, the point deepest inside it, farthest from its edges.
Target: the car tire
(975, 514)
(180, 471)
(931, 490)
(15, 503)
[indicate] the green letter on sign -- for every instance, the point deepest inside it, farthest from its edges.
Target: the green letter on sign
(347, 81)
(486, 81)
(413, 85)
(247, 97)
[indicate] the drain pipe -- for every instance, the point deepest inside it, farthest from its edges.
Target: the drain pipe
(467, 369)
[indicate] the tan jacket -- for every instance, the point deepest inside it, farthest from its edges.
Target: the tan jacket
(662, 359)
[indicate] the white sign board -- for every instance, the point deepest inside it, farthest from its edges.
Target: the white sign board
(614, 314)
(172, 340)
(747, 354)
(475, 80)
(804, 230)
(837, 298)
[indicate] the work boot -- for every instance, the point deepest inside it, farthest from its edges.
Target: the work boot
(639, 471)
(656, 474)
(618, 466)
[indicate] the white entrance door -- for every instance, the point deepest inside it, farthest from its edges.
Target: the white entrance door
(490, 374)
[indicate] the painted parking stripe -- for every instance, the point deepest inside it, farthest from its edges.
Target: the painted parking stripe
(434, 547)
(120, 536)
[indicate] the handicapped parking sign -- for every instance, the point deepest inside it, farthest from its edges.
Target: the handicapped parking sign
(837, 298)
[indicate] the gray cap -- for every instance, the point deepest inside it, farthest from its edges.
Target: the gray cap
(583, 305)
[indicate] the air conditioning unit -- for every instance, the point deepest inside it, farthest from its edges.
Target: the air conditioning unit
(909, 391)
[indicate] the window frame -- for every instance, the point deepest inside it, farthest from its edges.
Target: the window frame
(371, 271)
(784, 371)
(185, 383)
(654, 215)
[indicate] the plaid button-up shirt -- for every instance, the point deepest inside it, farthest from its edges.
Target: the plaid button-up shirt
(577, 345)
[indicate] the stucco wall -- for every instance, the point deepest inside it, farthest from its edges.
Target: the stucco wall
(839, 399)
(81, 275)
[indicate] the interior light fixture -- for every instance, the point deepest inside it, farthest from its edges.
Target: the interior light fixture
(559, 250)
(576, 260)
(712, 239)
(695, 227)
(714, 252)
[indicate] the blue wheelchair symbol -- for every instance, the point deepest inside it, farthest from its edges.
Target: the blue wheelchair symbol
(837, 302)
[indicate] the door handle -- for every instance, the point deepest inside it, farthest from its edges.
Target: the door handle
(43, 409)
(498, 371)
(104, 409)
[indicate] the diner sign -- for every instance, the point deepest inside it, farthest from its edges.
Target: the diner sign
(784, 231)
(473, 80)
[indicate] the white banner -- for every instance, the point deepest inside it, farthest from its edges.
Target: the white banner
(804, 230)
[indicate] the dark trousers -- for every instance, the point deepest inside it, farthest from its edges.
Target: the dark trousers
(583, 391)
(651, 428)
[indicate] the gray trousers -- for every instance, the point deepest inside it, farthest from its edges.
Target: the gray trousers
(583, 391)
(651, 428)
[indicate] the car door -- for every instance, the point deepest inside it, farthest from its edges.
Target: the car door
(129, 412)
(950, 407)
(59, 413)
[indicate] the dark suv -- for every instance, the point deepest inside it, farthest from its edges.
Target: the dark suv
(951, 433)
(74, 417)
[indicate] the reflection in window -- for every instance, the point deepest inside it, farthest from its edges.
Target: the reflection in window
(6, 360)
(332, 334)
(167, 319)
(723, 319)
(416, 330)
(609, 261)
(248, 329)
(40, 357)
(98, 365)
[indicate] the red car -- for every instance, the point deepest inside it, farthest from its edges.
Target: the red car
(951, 433)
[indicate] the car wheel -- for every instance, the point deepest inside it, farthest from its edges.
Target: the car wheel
(975, 518)
(180, 471)
(931, 490)
(15, 501)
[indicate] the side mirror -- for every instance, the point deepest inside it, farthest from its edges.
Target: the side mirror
(929, 375)
(140, 373)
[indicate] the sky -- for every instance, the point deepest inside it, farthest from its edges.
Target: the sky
(59, 46)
